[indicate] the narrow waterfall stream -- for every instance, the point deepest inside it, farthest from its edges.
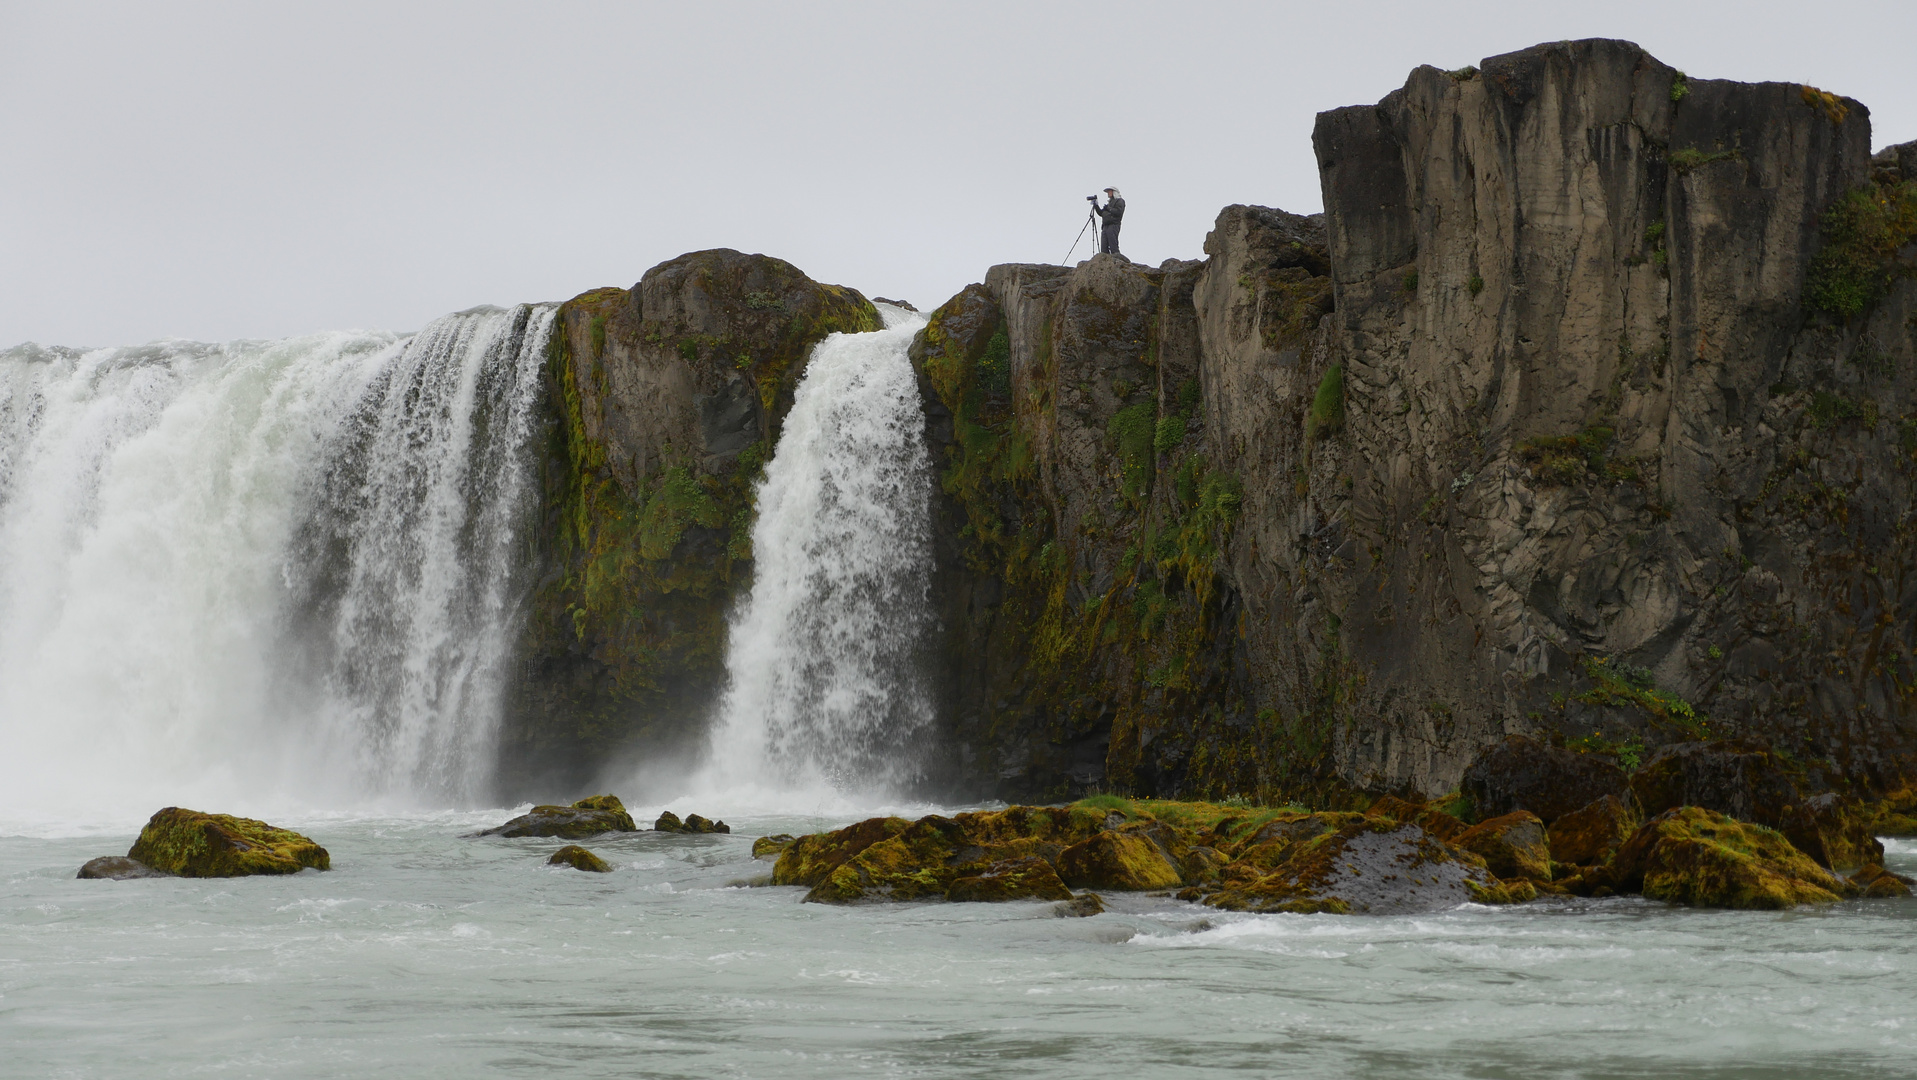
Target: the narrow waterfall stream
(265, 572)
(824, 686)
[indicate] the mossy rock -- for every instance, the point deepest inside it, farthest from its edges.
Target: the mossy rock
(1876, 883)
(579, 859)
(193, 844)
(1119, 860)
(808, 860)
(669, 822)
(587, 817)
(1591, 835)
(1833, 829)
(1029, 878)
(1702, 858)
(1375, 865)
(1512, 845)
(766, 846)
(919, 862)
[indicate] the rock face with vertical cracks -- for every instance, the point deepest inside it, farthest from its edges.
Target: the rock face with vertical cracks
(1584, 413)
(667, 400)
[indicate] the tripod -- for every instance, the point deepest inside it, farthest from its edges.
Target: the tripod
(1091, 218)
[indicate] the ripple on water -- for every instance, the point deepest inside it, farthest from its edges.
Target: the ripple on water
(428, 953)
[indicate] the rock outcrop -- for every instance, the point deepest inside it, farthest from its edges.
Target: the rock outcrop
(1267, 860)
(1585, 413)
(579, 859)
(587, 817)
(669, 822)
(666, 399)
(188, 843)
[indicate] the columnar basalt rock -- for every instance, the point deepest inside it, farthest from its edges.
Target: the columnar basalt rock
(1593, 415)
(1584, 413)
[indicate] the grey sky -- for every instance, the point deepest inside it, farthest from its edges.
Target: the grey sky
(225, 170)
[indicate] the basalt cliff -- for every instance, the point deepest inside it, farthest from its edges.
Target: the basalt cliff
(1584, 413)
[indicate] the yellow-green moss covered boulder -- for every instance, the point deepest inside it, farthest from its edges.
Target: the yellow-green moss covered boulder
(1120, 859)
(1375, 865)
(1028, 878)
(1702, 858)
(771, 846)
(1512, 845)
(587, 817)
(194, 844)
(1591, 834)
(1833, 829)
(1876, 883)
(579, 859)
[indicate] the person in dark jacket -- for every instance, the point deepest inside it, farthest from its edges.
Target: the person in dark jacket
(1111, 213)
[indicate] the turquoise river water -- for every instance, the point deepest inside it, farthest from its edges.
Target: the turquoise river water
(426, 953)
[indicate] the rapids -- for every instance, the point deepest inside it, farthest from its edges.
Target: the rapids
(429, 955)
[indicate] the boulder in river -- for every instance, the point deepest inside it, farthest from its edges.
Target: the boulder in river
(119, 868)
(194, 844)
(1690, 855)
(1874, 882)
(587, 817)
(579, 859)
(669, 822)
(1590, 835)
(767, 846)
(1512, 846)
(1134, 857)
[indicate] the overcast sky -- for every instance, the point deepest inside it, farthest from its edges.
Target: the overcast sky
(252, 170)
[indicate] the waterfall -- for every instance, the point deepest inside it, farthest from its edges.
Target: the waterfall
(824, 682)
(264, 571)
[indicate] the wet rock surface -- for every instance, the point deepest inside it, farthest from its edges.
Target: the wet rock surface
(119, 868)
(587, 817)
(669, 822)
(1701, 858)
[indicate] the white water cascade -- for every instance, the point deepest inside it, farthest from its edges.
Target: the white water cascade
(262, 573)
(825, 690)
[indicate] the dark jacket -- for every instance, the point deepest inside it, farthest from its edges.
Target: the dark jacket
(1111, 212)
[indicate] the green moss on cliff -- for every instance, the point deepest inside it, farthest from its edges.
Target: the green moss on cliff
(1863, 231)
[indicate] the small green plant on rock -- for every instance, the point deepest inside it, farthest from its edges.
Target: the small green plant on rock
(1624, 685)
(1476, 284)
(1327, 405)
(1691, 158)
(1863, 231)
(1680, 88)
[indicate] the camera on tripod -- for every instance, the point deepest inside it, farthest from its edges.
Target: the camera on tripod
(1091, 198)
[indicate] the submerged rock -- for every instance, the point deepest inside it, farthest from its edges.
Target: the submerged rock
(669, 822)
(587, 817)
(1700, 857)
(194, 844)
(766, 846)
(579, 859)
(119, 868)
(1082, 906)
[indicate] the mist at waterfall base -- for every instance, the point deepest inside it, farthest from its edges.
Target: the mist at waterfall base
(261, 575)
(278, 578)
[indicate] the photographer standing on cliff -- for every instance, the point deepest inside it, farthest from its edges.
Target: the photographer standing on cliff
(1111, 213)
